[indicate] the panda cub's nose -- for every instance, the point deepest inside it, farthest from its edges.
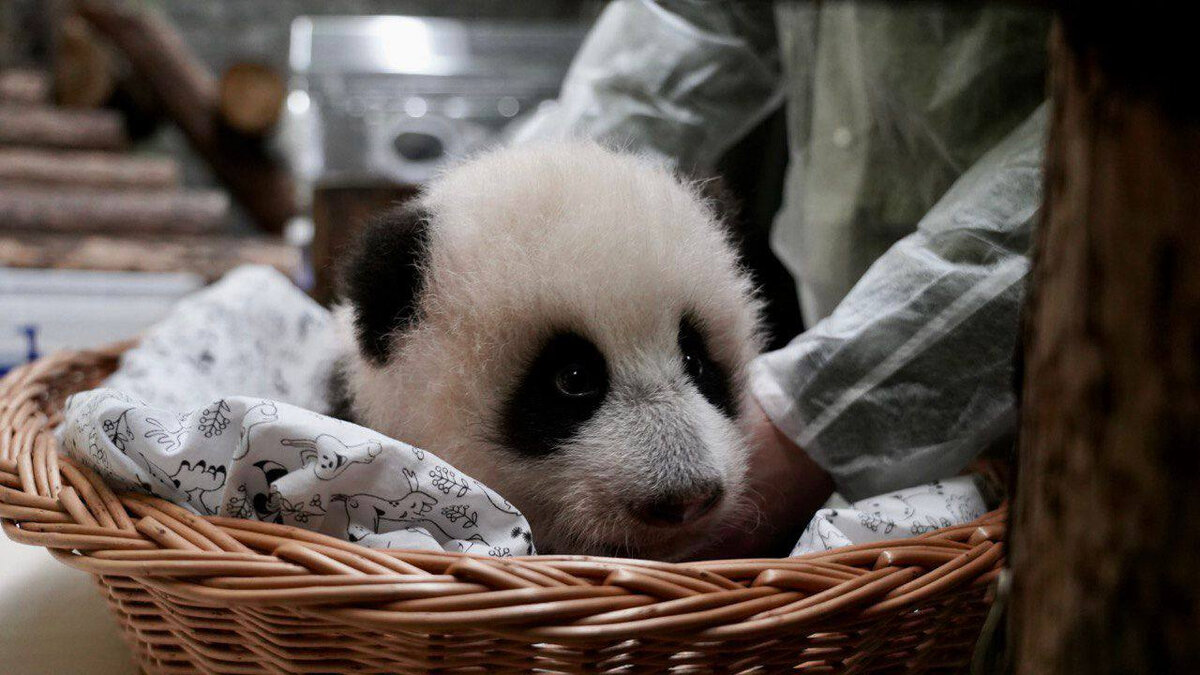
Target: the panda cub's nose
(679, 506)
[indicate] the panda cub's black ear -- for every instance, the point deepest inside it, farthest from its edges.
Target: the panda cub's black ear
(383, 275)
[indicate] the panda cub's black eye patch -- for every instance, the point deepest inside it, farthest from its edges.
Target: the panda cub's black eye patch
(562, 387)
(708, 376)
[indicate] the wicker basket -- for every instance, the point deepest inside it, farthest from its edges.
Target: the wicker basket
(222, 595)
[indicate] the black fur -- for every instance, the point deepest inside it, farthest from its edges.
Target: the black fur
(341, 401)
(538, 417)
(710, 378)
(382, 278)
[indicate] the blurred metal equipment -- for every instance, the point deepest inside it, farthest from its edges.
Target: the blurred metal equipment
(390, 97)
(377, 103)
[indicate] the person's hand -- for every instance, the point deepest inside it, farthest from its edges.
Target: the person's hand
(785, 489)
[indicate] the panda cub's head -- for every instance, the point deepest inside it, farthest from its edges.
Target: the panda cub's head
(570, 326)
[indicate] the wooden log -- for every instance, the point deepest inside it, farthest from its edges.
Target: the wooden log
(24, 85)
(85, 72)
(139, 105)
(257, 179)
(88, 73)
(1107, 519)
(251, 98)
(86, 169)
(94, 210)
(37, 126)
(209, 256)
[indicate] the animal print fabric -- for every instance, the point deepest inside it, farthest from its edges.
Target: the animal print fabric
(219, 410)
(895, 515)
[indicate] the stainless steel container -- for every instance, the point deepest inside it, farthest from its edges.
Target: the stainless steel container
(391, 97)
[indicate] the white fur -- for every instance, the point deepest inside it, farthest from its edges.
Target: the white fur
(528, 240)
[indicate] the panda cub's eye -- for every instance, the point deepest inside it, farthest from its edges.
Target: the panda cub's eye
(708, 375)
(691, 346)
(693, 363)
(577, 380)
(560, 389)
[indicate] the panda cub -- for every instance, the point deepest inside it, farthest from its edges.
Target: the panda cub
(570, 326)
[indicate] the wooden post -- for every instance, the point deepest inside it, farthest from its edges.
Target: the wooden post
(1106, 539)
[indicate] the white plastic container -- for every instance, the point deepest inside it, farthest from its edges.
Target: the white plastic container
(44, 310)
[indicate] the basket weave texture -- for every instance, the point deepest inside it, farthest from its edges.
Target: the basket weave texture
(221, 595)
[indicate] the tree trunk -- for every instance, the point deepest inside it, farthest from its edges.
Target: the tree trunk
(1106, 539)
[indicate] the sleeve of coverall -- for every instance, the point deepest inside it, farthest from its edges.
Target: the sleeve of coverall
(683, 79)
(911, 375)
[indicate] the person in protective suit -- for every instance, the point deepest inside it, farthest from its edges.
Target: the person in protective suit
(915, 136)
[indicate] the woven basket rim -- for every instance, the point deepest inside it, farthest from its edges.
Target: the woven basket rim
(51, 501)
